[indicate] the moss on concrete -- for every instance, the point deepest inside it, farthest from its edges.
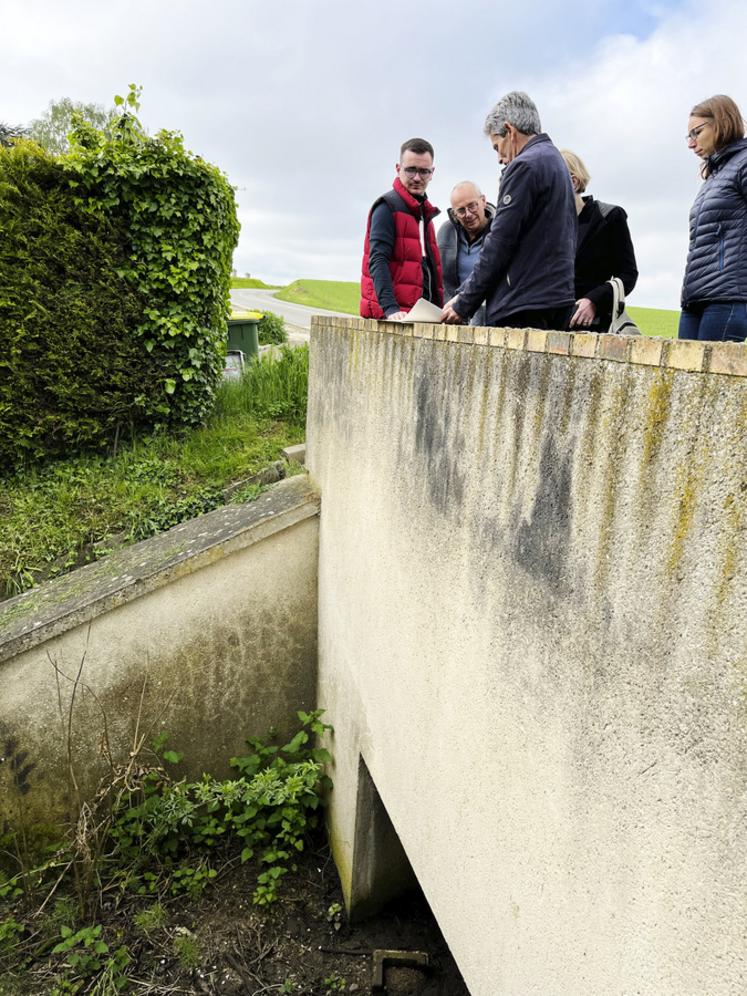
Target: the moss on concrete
(482, 419)
(657, 413)
(614, 431)
(686, 490)
(730, 547)
(521, 372)
(569, 388)
(540, 395)
(592, 409)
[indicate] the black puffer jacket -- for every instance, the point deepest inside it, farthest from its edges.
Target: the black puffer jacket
(717, 258)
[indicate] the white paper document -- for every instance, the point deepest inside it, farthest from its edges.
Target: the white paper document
(422, 311)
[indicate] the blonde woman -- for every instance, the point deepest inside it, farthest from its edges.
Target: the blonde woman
(604, 249)
(714, 292)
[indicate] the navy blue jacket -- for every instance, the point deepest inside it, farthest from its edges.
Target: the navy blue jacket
(528, 258)
(717, 258)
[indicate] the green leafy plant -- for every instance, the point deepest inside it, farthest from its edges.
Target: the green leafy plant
(192, 880)
(10, 932)
(87, 954)
(10, 888)
(148, 832)
(182, 229)
(269, 808)
(271, 329)
(334, 915)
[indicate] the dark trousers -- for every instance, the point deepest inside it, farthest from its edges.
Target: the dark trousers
(539, 318)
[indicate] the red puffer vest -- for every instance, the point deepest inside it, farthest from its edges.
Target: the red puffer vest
(405, 265)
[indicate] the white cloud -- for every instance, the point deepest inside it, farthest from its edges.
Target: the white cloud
(625, 109)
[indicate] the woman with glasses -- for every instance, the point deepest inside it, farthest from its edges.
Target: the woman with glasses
(714, 292)
(604, 249)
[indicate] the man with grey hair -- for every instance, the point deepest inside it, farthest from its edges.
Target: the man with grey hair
(461, 238)
(525, 271)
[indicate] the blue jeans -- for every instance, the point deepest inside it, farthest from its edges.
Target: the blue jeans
(719, 321)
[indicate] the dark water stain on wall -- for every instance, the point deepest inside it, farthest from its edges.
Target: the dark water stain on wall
(541, 545)
(437, 445)
(520, 375)
(16, 762)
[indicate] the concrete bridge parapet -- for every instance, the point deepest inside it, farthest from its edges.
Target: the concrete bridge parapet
(533, 645)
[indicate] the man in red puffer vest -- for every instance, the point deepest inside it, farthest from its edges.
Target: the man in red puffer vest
(401, 262)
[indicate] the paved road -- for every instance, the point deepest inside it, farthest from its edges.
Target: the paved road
(297, 316)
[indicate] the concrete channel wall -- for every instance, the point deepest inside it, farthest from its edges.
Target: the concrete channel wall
(206, 632)
(533, 646)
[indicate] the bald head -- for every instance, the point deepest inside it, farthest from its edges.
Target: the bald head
(468, 205)
(468, 188)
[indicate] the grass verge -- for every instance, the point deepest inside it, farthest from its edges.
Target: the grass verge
(73, 512)
(250, 283)
(331, 295)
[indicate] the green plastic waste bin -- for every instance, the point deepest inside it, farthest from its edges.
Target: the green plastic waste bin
(243, 335)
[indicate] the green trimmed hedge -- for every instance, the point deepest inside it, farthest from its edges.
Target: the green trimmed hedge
(115, 265)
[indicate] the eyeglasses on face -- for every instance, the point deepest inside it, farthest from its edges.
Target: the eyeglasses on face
(470, 208)
(424, 171)
(694, 132)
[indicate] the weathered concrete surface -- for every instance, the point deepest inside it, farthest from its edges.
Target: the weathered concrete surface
(533, 629)
(212, 625)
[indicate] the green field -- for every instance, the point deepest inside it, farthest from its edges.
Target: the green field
(339, 295)
(250, 283)
(654, 321)
(332, 295)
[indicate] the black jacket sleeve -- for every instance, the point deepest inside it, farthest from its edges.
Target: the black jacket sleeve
(617, 257)
(381, 247)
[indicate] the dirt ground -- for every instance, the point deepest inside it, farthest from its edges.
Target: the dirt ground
(300, 945)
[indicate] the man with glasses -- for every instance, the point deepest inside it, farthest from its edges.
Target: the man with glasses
(401, 261)
(525, 272)
(460, 238)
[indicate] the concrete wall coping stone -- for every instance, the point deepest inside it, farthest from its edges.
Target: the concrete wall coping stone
(727, 358)
(59, 605)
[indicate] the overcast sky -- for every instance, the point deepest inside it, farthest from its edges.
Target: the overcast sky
(304, 103)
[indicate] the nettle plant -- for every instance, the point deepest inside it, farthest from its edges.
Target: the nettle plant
(179, 215)
(164, 829)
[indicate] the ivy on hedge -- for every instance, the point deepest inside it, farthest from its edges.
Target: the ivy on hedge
(114, 277)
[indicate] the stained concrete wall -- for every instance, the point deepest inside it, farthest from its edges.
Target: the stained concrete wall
(207, 632)
(533, 631)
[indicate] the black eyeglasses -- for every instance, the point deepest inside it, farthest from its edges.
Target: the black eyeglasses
(424, 171)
